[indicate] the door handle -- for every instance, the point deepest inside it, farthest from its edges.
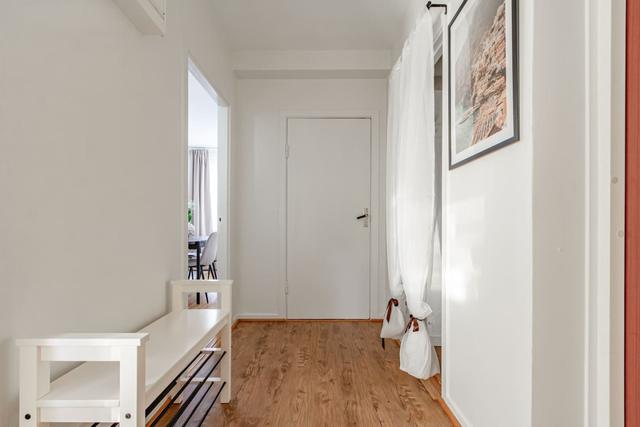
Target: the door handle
(365, 216)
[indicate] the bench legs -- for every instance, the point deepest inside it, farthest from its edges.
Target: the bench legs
(34, 383)
(225, 338)
(132, 381)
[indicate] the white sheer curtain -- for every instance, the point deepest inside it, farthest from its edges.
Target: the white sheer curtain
(393, 131)
(200, 191)
(411, 193)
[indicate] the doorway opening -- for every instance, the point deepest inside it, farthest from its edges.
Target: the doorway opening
(207, 178)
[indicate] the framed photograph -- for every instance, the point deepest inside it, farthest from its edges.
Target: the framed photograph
(483, 79)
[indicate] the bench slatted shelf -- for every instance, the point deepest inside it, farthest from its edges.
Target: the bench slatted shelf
(142, 369)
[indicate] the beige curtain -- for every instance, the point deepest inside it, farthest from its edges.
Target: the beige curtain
(200, 191)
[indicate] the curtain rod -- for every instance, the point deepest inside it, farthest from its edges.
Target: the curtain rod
(431, 4)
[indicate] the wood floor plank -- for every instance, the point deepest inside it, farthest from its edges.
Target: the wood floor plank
(321, 374)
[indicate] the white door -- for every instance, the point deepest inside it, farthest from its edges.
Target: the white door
(328, 188)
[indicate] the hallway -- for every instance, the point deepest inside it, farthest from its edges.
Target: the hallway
(321, 373)
(461, 177)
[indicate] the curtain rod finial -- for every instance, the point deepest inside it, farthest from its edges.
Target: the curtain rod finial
(431, 4)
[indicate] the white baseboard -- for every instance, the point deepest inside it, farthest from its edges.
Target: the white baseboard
(259, 316)
(456, 411)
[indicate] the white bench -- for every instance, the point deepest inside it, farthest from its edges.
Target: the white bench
(150, 365)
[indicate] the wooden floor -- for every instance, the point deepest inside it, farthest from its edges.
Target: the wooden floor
(321, 374)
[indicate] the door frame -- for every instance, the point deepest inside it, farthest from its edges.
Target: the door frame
(632, 222)
(190, 64)
(377, 268)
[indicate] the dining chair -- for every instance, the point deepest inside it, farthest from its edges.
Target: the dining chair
(207, 260)
(210, 254)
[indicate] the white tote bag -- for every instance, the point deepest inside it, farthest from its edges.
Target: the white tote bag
(393, 324)
(417, 355)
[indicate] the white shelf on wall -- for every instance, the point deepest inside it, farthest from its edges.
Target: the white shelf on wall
(149, 16)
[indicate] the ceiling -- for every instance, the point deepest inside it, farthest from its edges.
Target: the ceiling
(311, 24)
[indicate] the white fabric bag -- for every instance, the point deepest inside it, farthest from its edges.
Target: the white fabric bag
(393, 323)
(417, 356)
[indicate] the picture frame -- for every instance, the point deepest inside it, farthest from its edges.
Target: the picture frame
(483, 79)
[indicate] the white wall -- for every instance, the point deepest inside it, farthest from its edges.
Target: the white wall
(316, 64)
(487, 323)
(559, 213)
(606, 197)
(203, 115)
(615, 295)
(92, 166)
(259, 187)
